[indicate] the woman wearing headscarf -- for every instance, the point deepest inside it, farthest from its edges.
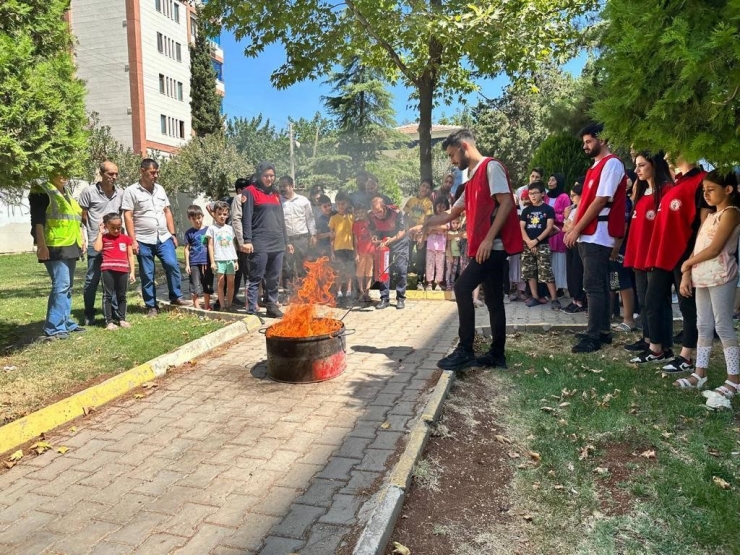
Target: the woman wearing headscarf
(559, 200)
(265, 239)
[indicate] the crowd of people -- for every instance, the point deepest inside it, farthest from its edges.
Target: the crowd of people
(669, 226)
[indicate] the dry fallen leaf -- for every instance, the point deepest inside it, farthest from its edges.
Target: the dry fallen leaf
(720, 482)
(649, 454)
(534, 456)
(513, 455)
(502, 439)
(8, 464)
(601, 470)
(40, 447)
(73, 429)
(547, 409)
(563, 405)
(385, 425)
(401, 549)
(562, 422)
(558, 486)
(546, 371)
(585, 452)
(138, 396)
(714, 452)
(527, 517)
(88, 410)
(149, 385)
(62, 450)
(15, 457)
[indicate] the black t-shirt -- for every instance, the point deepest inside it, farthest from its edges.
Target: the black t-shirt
(535, 219)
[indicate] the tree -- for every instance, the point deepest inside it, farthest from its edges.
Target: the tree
(205, 103)
(363, 114)
(42, 103)
(436, 47)
(102, 146)
(257, 140)
(672, 77)
(561, 153)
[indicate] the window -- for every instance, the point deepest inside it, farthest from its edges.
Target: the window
(193, 28)
(219, 67)
(179, 90)
(177, 13)
(163, 124)
(182, 129)
(158, 5)
(160, 42)
(161, 83)
(178, 52)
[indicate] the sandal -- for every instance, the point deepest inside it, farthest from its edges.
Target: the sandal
(623, 327)
(722, 396)
(684, 383)
(532, 302)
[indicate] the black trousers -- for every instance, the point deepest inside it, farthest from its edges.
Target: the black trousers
(659, 291)
(574, 271)
(115, 285)
(642, 279)
(489, 274)
(596, 285)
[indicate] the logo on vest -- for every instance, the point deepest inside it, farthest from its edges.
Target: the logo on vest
(675, 205)
(650, 214)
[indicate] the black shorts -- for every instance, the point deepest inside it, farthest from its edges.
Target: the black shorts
(201, 279)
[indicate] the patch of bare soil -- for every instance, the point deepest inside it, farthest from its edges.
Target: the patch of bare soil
(623, 463)
(461, 489)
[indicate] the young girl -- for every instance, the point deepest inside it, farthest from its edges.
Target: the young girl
(436, 243)
(117, 269)
(452, 253)
(713, 271)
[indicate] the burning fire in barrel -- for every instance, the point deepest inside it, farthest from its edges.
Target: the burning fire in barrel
(305, 347)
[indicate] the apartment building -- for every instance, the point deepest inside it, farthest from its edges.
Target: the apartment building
(134, 57)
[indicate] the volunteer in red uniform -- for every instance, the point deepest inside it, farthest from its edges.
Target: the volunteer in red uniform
(681, 211)
(389, 230)
(599, 223)
(493, 233)
(653, 181)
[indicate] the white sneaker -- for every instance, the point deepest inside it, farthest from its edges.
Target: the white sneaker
(111, 327)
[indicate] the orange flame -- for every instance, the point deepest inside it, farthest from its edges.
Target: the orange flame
(301, 318)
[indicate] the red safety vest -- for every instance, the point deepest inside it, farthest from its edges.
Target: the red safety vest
(480, 206)
(674, 223)
(617, 206)
(641, 231)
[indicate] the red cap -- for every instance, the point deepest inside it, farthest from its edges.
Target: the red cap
(525, 194)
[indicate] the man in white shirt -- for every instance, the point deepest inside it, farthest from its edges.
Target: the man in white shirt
(151, 226)
(300, 226)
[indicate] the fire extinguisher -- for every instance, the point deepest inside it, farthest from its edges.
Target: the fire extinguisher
(382, 263)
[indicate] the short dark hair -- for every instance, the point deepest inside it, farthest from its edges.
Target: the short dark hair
(539, 170)
(323, 199)
(443, 201)
(537, 186)
(111, 217)
(286, 179)
(581, 179)
(147, 163)
(220, 205)
(459, 136)
(577, 189)
(241, 183)
(594, 129)
(342, 196)
(194, 210)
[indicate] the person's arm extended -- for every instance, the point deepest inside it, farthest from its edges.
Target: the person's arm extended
(211, 255)
(247, 215)
(187, 256)
(505, 204)
(170, 223)
(128, 222)
(131, 264)
(441, 219)
(593, 211)
(236, 220)
(98, 245)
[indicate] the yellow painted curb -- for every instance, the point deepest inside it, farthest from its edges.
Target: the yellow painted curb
(44, 420)
(417, 295)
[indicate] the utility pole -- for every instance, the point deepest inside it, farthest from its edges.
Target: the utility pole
(292, 159)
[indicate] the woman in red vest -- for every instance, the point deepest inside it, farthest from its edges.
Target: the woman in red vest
(653, 181)
(680, 214)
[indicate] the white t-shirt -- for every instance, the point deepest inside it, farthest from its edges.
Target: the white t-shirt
(611, 175)
(497, 183)
(223, 242)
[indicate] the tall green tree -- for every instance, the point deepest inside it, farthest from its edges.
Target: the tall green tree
(257, 139)
(672, 77)
(435, 47)
(103, 146)
(362, 110)
(205, 102)
(42, 103)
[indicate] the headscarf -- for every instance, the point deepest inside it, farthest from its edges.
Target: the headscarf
(262, 168)
(559, 189)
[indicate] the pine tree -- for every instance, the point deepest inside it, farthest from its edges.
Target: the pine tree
(205, 103)
(42, 112)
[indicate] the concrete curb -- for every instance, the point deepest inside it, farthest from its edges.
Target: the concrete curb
(44, 420)
(389, 500)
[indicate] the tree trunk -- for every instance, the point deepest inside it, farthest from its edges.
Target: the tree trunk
(426, 99)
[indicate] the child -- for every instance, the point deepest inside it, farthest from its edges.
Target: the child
(342, 248)
(418, 209)
(117, 269)
(323, 233)
(222, 253)
(363, 253)
(436, 244)
(537, 221)
(712, 269)
(574, 264)
(452, 253)
(196, 259)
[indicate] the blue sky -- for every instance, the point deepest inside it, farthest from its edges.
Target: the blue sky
(249, 92)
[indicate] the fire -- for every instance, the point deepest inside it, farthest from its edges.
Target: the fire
(301, 318)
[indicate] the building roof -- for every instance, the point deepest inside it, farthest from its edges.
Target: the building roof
(438, 131)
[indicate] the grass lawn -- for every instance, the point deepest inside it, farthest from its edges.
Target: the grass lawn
(34, 374)
(598, 456)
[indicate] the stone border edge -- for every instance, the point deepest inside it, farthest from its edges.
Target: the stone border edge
(382, 521)
(46, 419)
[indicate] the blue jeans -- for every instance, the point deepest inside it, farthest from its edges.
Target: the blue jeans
(168, 257)
(399, 264)
(267, 266)
(59, 307)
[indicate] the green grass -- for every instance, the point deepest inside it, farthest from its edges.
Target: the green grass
(666, 504)
(39, 373)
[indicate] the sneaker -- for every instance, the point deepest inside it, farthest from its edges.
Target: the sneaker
(181, 302)
(604, 338)
(458, 359)
(571, 308)
(490, 360)
(124, 324)
(400, 304)
(78, 329)
(274, 312)
(649, 356)
(236, 301)
(586, 345)
(89, 321)
(55, 337)
(678, 365)
(428, 288)
(152, 312)
(111, 327)
(638, 346)
(532, 302)
(382, 304)
(555, 305)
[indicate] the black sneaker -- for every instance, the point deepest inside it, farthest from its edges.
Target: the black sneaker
(490, 360)
(571, 308)
(89, 320)
(382, 304)
(638, 346)
(604, 338)
(458, 359)
(678, 365)
(586, 345)
(400, 304)
(649, 356)
(236, 301)
(274, 312)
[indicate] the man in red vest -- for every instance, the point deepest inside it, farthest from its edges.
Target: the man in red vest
(493, 232)
(600, 222)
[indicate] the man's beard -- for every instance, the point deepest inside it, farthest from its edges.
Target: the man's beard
(595, 151)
